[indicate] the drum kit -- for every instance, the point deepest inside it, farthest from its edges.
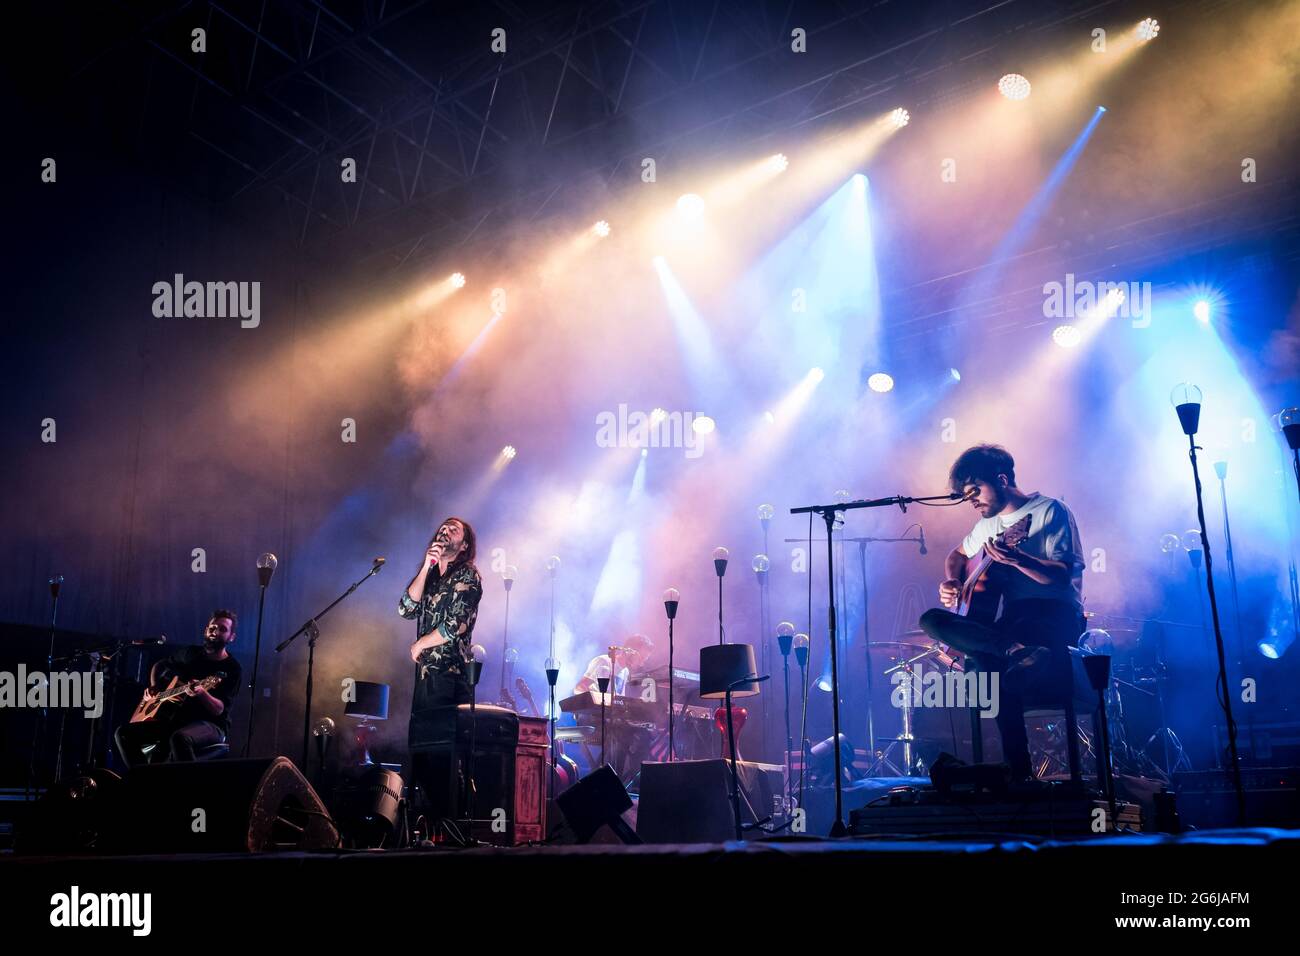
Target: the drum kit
(1138, 669)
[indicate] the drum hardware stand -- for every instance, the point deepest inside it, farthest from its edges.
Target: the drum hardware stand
(313, 631)
(906, 738)
(1178, 757)
(828, 514)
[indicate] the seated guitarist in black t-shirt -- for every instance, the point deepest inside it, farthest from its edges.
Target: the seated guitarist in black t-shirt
(186, 706)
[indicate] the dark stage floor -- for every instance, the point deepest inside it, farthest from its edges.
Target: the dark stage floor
(902, 888)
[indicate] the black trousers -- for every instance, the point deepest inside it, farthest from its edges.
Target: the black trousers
(168, 742)
(436, 691)
(1054, 625)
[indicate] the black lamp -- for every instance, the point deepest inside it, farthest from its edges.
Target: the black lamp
(724, 664)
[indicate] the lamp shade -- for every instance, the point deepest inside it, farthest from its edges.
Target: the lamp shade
(371, 701)
(722, 665)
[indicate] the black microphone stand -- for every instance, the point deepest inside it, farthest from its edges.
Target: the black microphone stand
(828, 513)
(313, 632)
(265, 568)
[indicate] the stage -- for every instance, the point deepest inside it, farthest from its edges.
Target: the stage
(866, 428)
(866, 890)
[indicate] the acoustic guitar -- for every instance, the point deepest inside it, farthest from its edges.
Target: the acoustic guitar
(983, 587)
(148, 708)
(981, 592)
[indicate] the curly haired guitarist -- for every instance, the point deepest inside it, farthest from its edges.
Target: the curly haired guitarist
(1024, 549)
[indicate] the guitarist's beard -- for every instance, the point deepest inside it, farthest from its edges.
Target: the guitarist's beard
(213, 645)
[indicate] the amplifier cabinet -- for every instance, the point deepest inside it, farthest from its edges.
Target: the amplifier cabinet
(510, 765)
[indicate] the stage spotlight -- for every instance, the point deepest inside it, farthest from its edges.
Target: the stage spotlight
(769, 418)
(458, 280)
(1066, 336)
(1148, 29)
(601, 229)
(816, 375)
(508, 453)
(690, 206)
(881, 382)
(1013, 86)
(703, 424)
(780, 162)
(954, 374)
(900, 118)
(1202, 310)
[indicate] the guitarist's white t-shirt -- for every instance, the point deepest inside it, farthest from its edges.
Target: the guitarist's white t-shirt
(1053, 536)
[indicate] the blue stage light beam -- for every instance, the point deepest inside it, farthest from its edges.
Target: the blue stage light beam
(1023, 228)
(708, 375)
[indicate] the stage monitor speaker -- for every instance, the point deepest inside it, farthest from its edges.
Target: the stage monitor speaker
(598, 799)
(686, 801)
(220, 806)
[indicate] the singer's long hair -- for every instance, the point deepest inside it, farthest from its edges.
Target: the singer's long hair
(471, 544)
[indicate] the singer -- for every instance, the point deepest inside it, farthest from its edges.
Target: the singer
(1040, 583)
(197, 718)
(443, 600)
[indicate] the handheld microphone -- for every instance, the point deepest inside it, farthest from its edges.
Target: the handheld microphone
(380, 562)
(924, 549)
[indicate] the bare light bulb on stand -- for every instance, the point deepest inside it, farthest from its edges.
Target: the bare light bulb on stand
(1186, 400)
(801, 649)
(785, 637)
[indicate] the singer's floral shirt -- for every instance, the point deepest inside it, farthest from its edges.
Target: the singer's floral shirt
(450, 607)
